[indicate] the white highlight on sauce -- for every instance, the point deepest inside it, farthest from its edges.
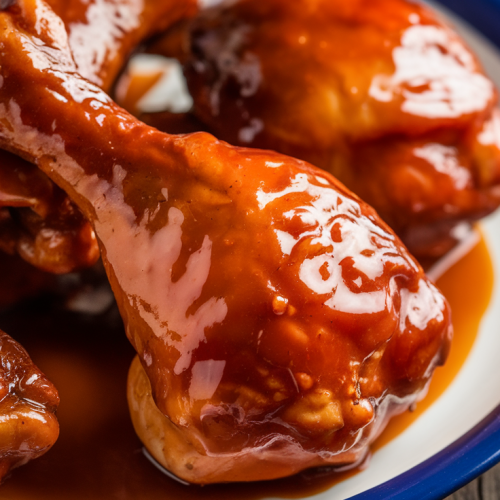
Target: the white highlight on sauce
(205, 378)
(444, 159)
(435, 75)
(357, 238)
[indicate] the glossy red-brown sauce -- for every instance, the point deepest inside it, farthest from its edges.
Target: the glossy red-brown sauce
(37, 220)
(275, 314)
(98, 455)
(474, 268)
(380, 93)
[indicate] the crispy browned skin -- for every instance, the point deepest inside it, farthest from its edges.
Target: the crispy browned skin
(49, 232)
(279, 320)
(28, 402)
(378, 92)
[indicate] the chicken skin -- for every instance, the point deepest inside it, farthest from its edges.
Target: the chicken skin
(382, 94)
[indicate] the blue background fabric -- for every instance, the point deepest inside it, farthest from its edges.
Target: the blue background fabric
(484, 15)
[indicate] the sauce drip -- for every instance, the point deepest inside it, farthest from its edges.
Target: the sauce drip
(98, 455)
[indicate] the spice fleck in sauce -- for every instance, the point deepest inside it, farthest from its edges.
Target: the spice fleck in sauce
(98, 455)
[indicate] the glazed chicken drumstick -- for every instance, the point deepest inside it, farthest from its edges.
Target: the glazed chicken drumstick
(381, 93)
(279, 321)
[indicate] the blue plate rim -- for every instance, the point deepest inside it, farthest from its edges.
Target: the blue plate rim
(445, 472)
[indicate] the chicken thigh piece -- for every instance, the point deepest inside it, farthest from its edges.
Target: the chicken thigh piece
(381, 93)
(28, 402)
(279, 321)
